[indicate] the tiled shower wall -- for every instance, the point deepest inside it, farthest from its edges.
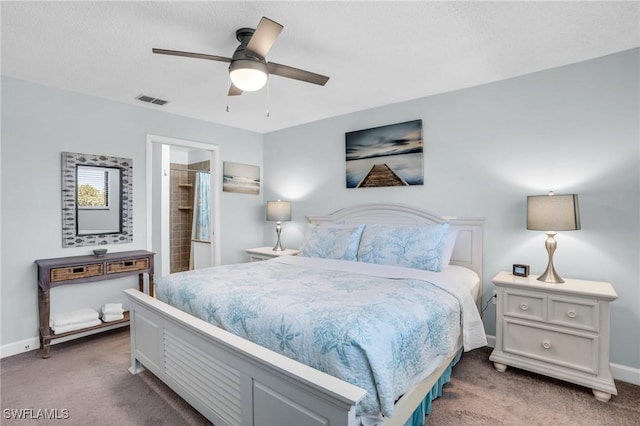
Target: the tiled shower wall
(180, 216)
(182, 181)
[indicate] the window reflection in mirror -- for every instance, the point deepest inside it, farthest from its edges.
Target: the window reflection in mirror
(98, 200)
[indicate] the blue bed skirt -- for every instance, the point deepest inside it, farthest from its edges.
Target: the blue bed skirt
(418, 416)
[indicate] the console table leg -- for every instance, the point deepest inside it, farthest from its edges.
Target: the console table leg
(44, 303)
(141, 284)
(46, 347)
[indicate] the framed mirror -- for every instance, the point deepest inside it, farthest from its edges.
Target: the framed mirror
(97, 201)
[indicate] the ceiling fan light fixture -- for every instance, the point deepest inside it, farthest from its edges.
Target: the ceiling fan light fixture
(248, 75)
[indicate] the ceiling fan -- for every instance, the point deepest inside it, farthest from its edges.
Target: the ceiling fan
(248, 67)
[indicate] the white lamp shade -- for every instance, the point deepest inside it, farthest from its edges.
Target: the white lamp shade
(278, 211)
(553, 212)
(247, 75)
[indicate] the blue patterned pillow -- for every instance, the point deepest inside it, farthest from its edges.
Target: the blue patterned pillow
(340, 242)
(417, 247)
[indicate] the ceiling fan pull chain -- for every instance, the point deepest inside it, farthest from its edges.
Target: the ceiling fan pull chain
(268, 98)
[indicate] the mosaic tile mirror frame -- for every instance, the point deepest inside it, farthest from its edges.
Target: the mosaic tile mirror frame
(121, 193)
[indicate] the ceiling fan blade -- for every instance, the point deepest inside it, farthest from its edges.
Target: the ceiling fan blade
(191, 55)
(264, 37)
(297, 74)
(234, 91)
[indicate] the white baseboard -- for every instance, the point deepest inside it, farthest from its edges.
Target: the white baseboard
(19, 347)
(34, 343)
(625, 374)
(491, 341)
(618, 371)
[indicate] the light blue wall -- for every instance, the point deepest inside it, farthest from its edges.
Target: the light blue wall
(573, 129)
(38, 123)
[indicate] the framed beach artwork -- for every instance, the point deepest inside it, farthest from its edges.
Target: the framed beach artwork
(385, 156)
(240, 178)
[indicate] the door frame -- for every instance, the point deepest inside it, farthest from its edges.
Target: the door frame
(216, 179)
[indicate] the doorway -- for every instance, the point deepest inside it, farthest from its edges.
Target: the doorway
(183, 203)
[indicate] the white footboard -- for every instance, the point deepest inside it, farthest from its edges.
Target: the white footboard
(230, 380)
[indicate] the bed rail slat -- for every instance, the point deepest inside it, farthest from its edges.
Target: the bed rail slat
(216, 384)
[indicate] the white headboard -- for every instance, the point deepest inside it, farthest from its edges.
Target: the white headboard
(467, 251)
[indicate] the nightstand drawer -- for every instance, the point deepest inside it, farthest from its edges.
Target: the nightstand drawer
(578, 351)
(265, 253)
(525, 305)
(582, 314)
(256, 258)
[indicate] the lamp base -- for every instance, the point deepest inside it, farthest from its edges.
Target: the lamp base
(550, 275)
(278, 246)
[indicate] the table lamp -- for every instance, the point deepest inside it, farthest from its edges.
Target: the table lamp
(278, 211)
(552, 213)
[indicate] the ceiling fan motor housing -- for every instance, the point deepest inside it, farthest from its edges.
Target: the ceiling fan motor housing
(242, 53)
(243, 35)
(247, 72)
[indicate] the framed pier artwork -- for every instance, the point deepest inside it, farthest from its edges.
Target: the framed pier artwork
(385, 156)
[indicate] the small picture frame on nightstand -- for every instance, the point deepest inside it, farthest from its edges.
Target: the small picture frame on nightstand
(520, 270)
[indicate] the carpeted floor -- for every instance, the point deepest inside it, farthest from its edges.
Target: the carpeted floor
(87, 380)
(479, 395)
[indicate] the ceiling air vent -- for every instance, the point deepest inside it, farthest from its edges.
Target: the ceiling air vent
(149, 99)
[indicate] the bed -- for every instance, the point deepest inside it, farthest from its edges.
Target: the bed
(242, 350)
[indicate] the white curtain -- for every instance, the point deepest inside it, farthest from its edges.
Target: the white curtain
(201, 229)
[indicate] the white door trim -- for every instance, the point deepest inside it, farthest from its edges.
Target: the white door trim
(216, 179)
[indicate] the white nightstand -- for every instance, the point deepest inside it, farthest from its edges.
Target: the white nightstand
(264, 253)
(559, 330)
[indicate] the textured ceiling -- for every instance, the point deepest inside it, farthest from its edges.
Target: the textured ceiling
(376, 53)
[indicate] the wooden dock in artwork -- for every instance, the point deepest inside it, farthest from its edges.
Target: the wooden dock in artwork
(381, 175)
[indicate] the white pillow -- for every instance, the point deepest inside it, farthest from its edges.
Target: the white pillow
(332, 242)
(417, 247)
(448, 243)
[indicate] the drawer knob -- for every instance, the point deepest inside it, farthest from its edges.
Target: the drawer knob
(546, 344)
(524, 306)
(571, 314)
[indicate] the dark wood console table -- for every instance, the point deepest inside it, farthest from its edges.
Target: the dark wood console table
(83, 269)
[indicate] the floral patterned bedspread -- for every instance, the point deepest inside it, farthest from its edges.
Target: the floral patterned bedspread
(374, 332)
